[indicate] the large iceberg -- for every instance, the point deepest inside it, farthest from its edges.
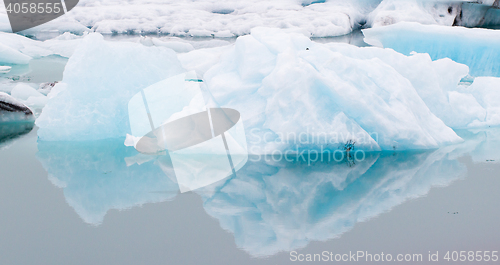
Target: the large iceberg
(477, 48)
(292, 93)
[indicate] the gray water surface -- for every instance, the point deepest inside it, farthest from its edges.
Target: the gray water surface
(80, 203)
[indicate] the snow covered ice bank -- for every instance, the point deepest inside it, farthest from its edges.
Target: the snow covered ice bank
(207, 18)
(283, 84)
(235, 18)
(477, 48)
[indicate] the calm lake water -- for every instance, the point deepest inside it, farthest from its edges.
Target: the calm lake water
(101, 203)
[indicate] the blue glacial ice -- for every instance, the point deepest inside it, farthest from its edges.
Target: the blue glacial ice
(99, 80)
(476, 48)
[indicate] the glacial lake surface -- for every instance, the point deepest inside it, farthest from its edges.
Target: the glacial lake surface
(99, 203)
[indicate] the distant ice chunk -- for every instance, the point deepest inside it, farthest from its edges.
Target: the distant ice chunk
(436, 82)
(17, 49)
(389, 12)
(45, 88)
(9, 55)
(13, 110)
(24, 91)
(30, 96)
(99, 80)
(5, 69)
(487, 92)
(177, 46)
(476, 48)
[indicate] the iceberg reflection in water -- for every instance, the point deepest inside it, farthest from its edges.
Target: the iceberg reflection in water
(95, 177)
(270, 205)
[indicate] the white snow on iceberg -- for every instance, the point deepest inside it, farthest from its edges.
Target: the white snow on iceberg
(426, 12)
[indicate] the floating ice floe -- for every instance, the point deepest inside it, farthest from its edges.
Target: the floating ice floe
(389, 12)
(208, 18)
(12, 110)
(29, 96)
(5, 69)
(177, 46)
(17, 49)
(477, 48)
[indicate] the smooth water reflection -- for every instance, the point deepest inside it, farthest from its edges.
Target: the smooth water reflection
(9, 132)
(270, 206)
(95, 177)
